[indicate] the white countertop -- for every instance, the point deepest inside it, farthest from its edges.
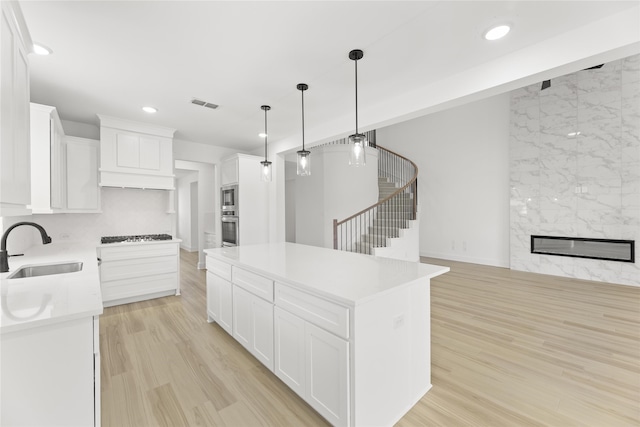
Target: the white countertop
(343, 276)
(37, 301)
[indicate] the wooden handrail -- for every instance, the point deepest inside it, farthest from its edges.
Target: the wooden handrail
(414, 178)
(400, 190)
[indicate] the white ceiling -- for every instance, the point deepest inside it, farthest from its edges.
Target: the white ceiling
(114, 57)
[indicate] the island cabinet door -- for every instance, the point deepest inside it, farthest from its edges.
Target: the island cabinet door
(327, 374)
(220, 302)
(253, 325)
(213, 298)
(226, 306)
(242, 317)
(262, 331)
(289, 350)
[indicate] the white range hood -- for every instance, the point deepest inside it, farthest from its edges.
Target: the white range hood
(135, 155)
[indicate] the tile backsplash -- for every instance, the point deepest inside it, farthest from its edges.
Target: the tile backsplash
(575, 168)
(124, 212)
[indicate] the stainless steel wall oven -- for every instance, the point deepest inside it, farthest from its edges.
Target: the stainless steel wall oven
(229, 198)
(229, 215)
(230, 230)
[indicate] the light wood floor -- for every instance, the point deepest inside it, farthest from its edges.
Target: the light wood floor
(508, 349)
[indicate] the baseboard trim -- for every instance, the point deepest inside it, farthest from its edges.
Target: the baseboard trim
(188, 248)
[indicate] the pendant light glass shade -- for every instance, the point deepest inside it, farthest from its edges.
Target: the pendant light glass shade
(265, 174)
(265, 166)
(304, 159)
(304, 163)
(358, 140)
(357, 153)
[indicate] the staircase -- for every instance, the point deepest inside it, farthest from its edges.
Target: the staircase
(389, 228)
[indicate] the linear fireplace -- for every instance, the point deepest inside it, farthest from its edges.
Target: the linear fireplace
(580, 247)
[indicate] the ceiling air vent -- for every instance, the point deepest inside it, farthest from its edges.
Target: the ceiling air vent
(204, 103)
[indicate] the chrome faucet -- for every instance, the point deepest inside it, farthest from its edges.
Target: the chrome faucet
(4, 257)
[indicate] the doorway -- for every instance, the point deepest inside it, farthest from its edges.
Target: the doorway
(187, 212)
(196, 195)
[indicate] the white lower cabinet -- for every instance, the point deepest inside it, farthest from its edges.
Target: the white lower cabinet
(253, 325)
(220, 302)
(289, 349)
(242, 316)
(213, 298)
(262, 331)
(314, 364)
(138, 271)
(51, 375)
(226, 306)
(327, 374)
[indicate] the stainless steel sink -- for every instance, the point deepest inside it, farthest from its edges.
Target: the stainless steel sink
(46, 270)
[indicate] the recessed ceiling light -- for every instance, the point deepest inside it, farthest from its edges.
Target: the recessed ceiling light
(149, 110)
(262, 134)
(40, 49)
(497, 32)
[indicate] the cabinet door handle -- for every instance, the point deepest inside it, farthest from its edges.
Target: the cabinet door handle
(99, 262)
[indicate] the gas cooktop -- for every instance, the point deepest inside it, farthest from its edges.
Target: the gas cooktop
(137, 238)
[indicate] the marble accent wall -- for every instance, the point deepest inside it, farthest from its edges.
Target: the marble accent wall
(574, 155)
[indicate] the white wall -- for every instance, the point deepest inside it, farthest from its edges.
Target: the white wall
(334, 190)
(82, 130)
(463, 185)
(195, 236)
(184, 212)
(290, 201)
(196, 152)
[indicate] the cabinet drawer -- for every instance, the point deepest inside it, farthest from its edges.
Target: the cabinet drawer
(220, 268)
(257, 285)
(325, 314)
(138, 251)
(131, 268)
(128, 288)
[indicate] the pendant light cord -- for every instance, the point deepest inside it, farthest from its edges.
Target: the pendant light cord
(356, 61)
(265, 135)
(302, 92)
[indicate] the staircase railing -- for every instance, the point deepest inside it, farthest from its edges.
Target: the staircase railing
(371, 227)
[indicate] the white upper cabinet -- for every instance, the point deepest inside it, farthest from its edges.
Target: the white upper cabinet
(47, 160)
(82, 160)
(64, 169)
(229, 171)
(135, 155)
(15, 171)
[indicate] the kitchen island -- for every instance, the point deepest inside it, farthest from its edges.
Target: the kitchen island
(49, 335)
(349, 333)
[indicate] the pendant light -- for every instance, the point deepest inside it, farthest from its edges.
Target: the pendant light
(304, 165)
(359, 141)
(266, 164)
